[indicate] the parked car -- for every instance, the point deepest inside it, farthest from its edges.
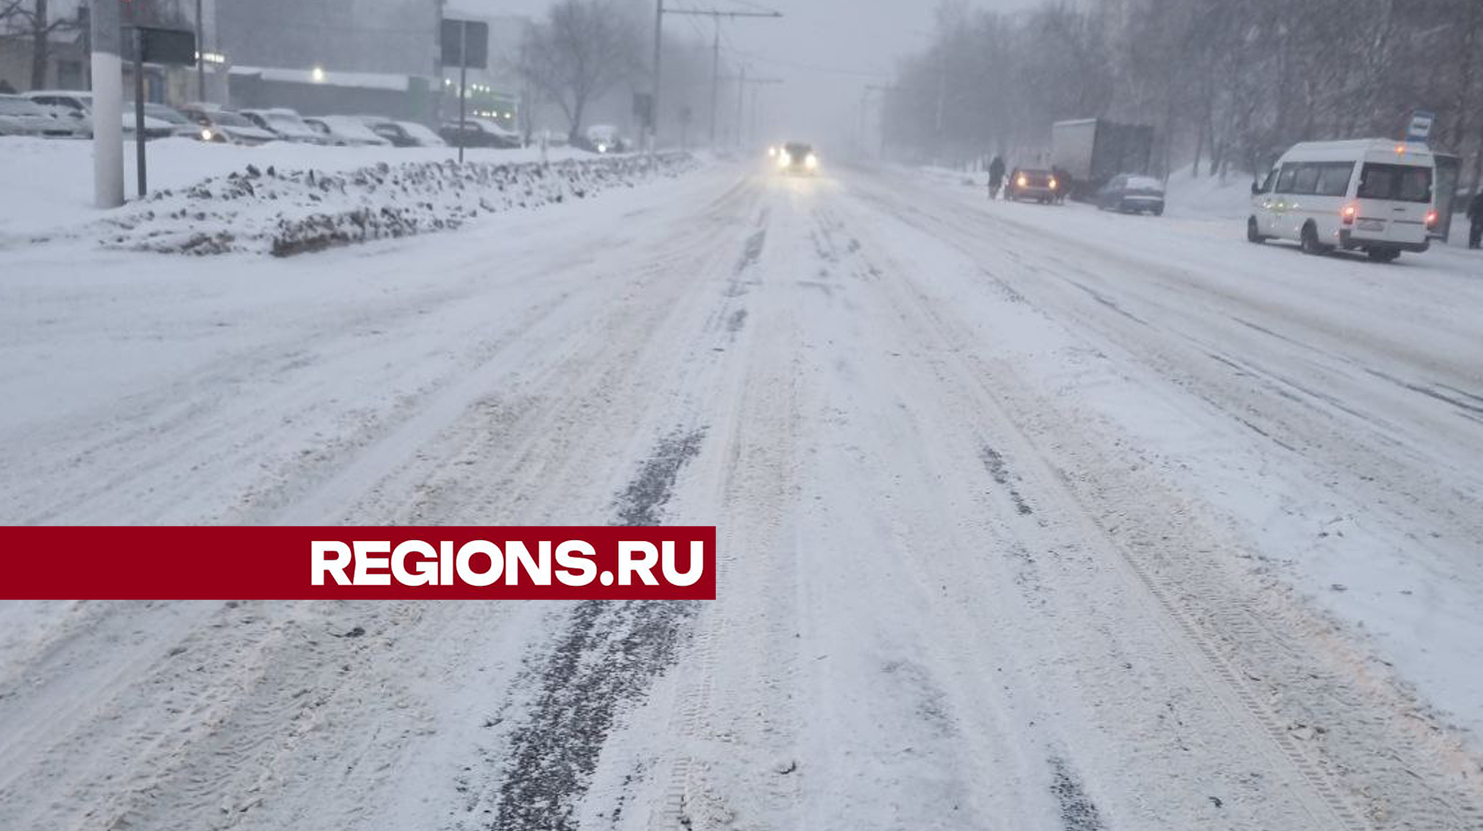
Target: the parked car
(797, 158)
(1370, 195)
(1038, 185)
(403, 133)
(1131, 193)
(179, 124)
(286, 124)
(393, 131)
(20, 116)
(76, 109)
(217, 124)
(480, 132)
(345, 131)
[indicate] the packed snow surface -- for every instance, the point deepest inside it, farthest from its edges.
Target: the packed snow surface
(1030, 517)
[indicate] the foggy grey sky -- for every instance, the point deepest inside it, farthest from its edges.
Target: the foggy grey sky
(825, 50)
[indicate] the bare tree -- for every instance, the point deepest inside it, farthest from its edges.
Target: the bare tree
(33, 21)
(581, 52)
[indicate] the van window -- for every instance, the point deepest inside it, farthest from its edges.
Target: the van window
(1333, 178)
(1306, 179)
(1398, 182)
(1284, 181)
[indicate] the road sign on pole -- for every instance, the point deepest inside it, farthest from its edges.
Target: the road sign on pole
(1420, 128)
(465, 44)
(167, 47)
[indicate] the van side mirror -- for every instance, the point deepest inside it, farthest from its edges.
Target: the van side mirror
(1256, 188)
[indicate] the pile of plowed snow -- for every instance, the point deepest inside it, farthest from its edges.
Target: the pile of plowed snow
(295, 211)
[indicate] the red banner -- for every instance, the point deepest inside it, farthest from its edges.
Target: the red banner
(302, 563)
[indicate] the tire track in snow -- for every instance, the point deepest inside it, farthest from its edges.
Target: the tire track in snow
(606, 658)
(1078, 811)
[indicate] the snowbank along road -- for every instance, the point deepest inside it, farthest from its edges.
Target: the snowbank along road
(1029, 518)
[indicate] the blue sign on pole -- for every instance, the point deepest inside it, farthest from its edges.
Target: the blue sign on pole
(1420, 128)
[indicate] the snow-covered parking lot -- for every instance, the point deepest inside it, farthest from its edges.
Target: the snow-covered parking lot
(1029, 517)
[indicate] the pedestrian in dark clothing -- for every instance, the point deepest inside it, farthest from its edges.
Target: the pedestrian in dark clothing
(1475, 217)
(996, 177)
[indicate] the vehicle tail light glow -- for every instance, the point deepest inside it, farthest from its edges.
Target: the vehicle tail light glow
(1431, 220)
(1348, 214)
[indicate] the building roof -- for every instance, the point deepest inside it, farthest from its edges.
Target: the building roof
(332, 78)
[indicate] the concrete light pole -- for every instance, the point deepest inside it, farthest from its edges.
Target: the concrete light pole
(108, 103)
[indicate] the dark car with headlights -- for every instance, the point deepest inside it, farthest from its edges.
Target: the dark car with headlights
(1132, 194)
(224, 126)
(1034, 185)
(798, 158)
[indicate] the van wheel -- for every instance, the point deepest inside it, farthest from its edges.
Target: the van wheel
(1310, 242)
(1383, 255)
(1252, 234)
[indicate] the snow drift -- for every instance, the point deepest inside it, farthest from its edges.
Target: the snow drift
(296, 211)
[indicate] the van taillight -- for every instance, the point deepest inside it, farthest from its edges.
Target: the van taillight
(1348, 214)
(1431, 220)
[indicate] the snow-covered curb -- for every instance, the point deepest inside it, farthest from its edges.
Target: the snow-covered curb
(296, 211)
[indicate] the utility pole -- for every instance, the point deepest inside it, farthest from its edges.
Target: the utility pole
(654, 101)
(106, 35)
(741, 88)
(200, 52)
(715, 49)
(869, 88)
(715, 79)
(741, 99)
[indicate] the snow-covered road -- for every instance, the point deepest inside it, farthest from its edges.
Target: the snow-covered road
(1029, 518)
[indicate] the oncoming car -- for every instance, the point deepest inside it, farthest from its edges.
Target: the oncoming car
(796, 158)
(1369, 195)
(1037, 185)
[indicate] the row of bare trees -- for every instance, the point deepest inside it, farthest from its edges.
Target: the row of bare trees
(41, 23)
(33, 22)
(1227, 83)
(594, 52)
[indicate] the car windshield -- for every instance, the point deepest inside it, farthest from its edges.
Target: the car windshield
(1010, 460)
(14, 105)
(350, 128)
(227, 118)
(288, 121)
(418, 132)
(164, 113)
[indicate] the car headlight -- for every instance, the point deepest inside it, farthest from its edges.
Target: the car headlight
(1022, 182)
(207, 135)
(602, 148)
(811, 161)
(1052, 184)
(784, 159)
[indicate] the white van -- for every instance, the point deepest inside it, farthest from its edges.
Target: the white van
(1369, 195)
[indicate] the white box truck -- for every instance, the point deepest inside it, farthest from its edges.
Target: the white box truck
(1093, 150)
